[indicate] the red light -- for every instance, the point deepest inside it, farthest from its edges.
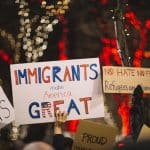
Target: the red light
(63, 57)
(124, 112)
(147, 24)
(137, 63)
(4, 56)
(114, 51)
(72, 125)
(106, 41)
(138, 54)
(113, 43)
(121, 145)
(104, 2)
(61, 45)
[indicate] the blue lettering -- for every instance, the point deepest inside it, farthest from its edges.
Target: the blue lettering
(73, 106)
(75, 73)
(36, 112)
(22, 75)
(56, 70)
(96, 73)
(39, 75)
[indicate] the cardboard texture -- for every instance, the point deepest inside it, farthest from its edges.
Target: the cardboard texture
(118, 79)
(144, 134)
(94, 136)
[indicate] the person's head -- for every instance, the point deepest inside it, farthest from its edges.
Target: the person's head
(38, 146)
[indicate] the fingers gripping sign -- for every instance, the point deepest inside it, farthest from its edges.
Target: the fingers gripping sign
(61, 118)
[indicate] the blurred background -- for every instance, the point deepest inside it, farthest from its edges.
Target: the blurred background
(32, 30)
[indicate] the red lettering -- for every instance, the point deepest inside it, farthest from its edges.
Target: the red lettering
(85, 100)
(31, 74)
(46, 79)
(55, 103)
(67, 74)
(84, 70)
(16, 77)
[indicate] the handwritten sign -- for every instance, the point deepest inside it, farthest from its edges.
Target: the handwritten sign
(94, 136)
(144, 134)
(6, 110)
(125, 79)
(39, 89)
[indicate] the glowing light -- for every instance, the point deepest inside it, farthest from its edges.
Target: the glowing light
(146, 54)
(104, 2)
(36, 43)
(147, 24)
(5, 57)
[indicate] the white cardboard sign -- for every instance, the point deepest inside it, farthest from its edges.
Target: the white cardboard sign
(39, 89)
(6, 110)
(125, 79)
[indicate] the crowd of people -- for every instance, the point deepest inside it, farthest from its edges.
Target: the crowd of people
(58, 141)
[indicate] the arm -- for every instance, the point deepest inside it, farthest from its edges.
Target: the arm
(61, 118)
(59, 139)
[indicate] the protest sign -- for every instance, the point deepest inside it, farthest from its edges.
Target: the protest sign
(94, 136)
(39, 89)
(6, 110)
(144, 134)
(125, 79)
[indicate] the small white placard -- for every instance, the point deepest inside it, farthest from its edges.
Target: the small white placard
(6, 110)
(125, 79)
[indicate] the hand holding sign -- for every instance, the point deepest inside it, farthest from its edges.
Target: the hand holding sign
(61, 118)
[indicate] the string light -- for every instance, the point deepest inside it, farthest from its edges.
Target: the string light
(137, 24)
(132, 20)
(35, 43)
(121, 33)
(9, 37)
